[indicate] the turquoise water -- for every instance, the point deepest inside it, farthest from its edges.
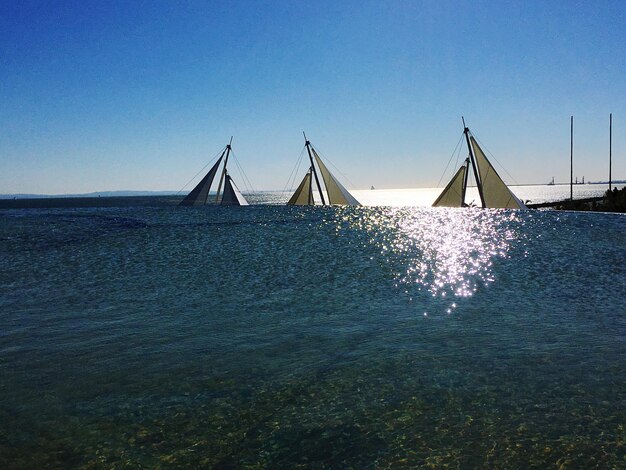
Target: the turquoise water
(275, 337)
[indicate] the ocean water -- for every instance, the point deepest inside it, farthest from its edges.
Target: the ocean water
(414, 197)
(152, 336)
(532, 194)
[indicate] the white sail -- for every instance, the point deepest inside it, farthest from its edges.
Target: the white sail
(199, 194)
(304, 194)
(496, 194)
(232, 196)
(452, 195)
(336, 193)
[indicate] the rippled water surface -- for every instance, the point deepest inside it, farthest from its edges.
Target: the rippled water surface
(275, 337)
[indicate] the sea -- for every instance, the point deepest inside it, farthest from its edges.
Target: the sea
(138, 334)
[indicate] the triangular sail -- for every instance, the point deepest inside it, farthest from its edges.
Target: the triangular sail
(304, 194)
(337, 194)
(452, 195)
(232, 196)
(496, 194)
(198, 195)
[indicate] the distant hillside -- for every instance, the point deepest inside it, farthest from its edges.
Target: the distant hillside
(606, 182)
(95, 194)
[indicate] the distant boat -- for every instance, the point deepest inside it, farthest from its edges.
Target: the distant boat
(230, 195)
(551, 183)
(494, 193)
(335, 192)
(372, 188)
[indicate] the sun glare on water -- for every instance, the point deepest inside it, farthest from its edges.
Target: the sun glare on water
(445, 253)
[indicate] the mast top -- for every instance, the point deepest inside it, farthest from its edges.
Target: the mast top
(231, 141)
(465, 128)
(306, 142)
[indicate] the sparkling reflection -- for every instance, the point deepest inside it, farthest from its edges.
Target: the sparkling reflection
(446, 253)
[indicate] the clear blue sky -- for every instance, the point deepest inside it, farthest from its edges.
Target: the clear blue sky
(116, 95)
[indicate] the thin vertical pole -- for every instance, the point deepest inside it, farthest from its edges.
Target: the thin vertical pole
(610, 146)
(571, 159)
(479, 183)
(310, 198)
(464, 190)
(223, 176)
(317, 180)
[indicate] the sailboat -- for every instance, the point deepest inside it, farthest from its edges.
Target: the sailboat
(230, 195)
(493, 192)
(335, 192)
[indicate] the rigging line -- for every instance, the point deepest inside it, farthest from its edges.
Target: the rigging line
(203, 168)
(294, 172)
(244, 176)
(496, 160)
(456, 160)
(333, 165)
(457, 147)
(460, 146)
(294, 180)
(241, 173)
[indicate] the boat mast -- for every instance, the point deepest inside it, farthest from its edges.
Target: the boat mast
(219, 188)
(464, 189)
(571, 159)
(317, 181)
(610, 145)
(479, 183)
